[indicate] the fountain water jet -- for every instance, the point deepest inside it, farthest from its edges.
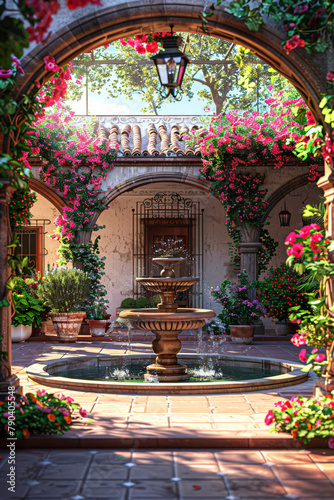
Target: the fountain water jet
(168, 321)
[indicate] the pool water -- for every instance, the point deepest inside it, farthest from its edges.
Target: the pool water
(211, 371)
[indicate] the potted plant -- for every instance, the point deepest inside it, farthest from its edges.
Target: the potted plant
(279, 292)
(98, 322)
(66, 292)
(26, 311)
(239, 312)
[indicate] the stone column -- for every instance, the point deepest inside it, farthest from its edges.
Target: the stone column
(6, 377)
(326, 381)
(248, 255)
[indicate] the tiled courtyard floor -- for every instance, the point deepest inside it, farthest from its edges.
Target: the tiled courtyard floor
(171, 475)
(169, 447)
(235, 420)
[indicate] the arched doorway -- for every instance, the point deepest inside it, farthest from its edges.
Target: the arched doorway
(91, 27)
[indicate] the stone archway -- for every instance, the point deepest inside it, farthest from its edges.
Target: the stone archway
(142, 180)
(93, 26)
(47, 193)
(283, 190)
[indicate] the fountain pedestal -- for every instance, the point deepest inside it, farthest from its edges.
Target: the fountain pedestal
(168, 321)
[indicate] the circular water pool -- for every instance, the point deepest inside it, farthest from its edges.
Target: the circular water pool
(124, 374)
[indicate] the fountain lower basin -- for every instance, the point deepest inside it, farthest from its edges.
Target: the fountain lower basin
(167, 325)
(49, 373)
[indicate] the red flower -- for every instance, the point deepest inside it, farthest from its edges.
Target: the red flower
(5, 73)
(302, 356)
(290, 239)
(320, 357)
(297, 250)
(305, 231)
(270, 417)
(330, 76)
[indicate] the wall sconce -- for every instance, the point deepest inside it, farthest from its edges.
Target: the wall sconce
(284, 217)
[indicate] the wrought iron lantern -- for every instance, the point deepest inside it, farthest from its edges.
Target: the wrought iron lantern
(284, 217)
(171, 65)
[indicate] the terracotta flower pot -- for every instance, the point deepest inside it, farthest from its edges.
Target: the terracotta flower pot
(67, 325)
(97, 327)
(242, 334)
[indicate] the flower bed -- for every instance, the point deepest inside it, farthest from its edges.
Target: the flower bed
(37, 413)
(304, 418)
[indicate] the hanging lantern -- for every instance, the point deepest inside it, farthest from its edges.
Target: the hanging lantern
(171, 65)
(284, 217)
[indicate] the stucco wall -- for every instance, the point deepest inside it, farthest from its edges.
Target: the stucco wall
(116, 238)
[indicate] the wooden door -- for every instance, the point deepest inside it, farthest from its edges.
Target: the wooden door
(168, 230)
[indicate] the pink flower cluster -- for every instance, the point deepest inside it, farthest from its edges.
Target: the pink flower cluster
(250, 138)
(63, 171)
(309, 243)
(42, 12)
(142, 43)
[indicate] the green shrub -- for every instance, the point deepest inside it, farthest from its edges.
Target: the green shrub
(128, 303)
(141, 302)
(154, 300)
(65, 290)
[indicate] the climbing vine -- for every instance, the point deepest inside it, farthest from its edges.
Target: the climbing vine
(308, 24)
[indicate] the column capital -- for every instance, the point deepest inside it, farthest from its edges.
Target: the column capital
(249, 247)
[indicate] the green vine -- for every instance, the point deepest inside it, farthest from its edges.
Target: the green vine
(307, 23)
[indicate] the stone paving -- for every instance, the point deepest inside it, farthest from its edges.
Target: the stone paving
(167, 470)
(234, 420)
(170, 475)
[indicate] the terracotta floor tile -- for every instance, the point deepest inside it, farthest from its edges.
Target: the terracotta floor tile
(98, 488)
(288, 457)
(161, 471)
(313, 489)
(259, 488)
(322, 456)
(59, 489)
(107, 471)
(241, 457)
(328, 469)
(198, 457)
(196, 471)
(193, 408)
(112, 457)
(290, 472)
(151, 457)
(191, 418)
(245, 471)
(202, 488)
(164, 489)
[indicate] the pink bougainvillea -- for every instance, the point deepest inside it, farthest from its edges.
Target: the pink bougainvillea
(145, 43)
(42, 11)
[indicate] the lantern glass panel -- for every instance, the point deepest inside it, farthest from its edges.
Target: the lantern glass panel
(163, 75)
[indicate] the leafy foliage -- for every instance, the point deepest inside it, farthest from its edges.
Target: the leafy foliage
(304, 418)
(237, 307)
(279, 291)
(27, 308)
(37, 413)
(220, 83)
(65, 290)
(307, 24)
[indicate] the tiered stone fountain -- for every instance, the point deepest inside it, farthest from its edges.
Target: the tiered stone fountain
(168, 321)
(96, 373)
